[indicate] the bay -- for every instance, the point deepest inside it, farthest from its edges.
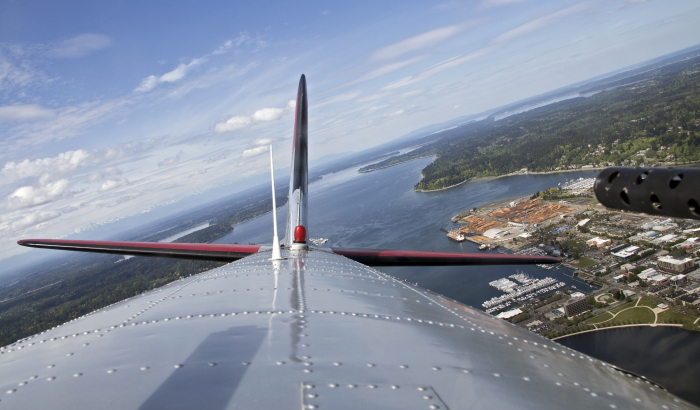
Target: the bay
(666, 355)
(379, 209)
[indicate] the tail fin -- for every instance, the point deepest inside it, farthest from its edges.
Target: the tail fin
(299, 180)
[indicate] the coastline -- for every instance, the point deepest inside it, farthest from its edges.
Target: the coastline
(545, 173)
(398, 163)
(621, 326)
(509, 175)
(442, 189)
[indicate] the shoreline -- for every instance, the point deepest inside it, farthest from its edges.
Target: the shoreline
(545, 173)
(509, 175)
(389, 166)
(442, 189)
(621, 326)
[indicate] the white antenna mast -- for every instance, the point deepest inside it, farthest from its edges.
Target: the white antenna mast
(276, 253)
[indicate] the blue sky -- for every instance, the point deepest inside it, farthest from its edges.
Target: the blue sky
(115, 109)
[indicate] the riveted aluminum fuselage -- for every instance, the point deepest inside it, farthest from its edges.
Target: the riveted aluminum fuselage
(315, 330)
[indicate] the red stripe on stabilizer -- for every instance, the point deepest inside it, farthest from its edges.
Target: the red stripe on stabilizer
(194, 251)
(381, 257)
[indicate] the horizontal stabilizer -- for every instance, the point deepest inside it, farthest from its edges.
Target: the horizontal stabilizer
(191, 251)
(381, 257)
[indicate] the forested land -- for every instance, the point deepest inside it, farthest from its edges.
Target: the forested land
(652, 122)
(57, 294)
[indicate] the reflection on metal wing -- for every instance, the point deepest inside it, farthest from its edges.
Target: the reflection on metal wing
(191, 251)
(383, 257)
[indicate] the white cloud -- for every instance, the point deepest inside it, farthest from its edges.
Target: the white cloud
(25, 112)
(69, 121)
(15, 71)
(28, 196)
(110, 184)
(80, 45)
(150, 82)
(223, 48)
(338, 98)
(34, 218)
(255, 152)
(262, 141)
(440, 67)
(395, 113)
(170, 160)
(539, 22)
(260, 116)
(385, 69)
(419, 42)
(493, 45)
(59, 165)
(372, 97)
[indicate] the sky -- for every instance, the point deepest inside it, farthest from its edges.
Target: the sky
(115, 109)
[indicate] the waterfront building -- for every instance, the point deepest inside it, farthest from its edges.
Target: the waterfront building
(672, 265)
(575, 306)
(679, 280)
(509, 314)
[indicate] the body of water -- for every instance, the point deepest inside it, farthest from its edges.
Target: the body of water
(666, 355)
(379, 209)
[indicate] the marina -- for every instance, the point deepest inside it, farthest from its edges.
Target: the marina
(521, 288)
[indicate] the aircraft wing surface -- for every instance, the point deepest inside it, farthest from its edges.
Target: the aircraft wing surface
(315, 330)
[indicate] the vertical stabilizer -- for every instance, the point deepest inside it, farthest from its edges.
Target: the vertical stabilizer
(299, 179)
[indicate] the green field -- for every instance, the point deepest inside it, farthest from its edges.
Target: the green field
(648, 302)
(634, 316)
(600, 318)
(670, 316)
(585, 262)
(621, 307)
